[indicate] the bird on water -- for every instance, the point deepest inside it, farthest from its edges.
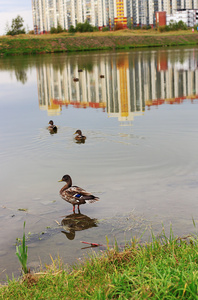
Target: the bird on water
(79, 136)
(52, 128)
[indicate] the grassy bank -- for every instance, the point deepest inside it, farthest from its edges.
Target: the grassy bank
(163, 269)
(65, 42)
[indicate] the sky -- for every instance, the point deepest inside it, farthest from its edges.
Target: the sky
(10, 9)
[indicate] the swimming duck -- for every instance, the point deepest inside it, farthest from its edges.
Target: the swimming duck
(79, 136)
(52, 127)
(74, 194)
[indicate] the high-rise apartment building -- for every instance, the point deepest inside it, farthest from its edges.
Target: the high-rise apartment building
(120, 12)
(101, 13)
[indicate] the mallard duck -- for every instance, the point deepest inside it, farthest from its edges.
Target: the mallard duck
(79, 136)
(75, 79)
(52, 127)
(101, 76)
(74, 194)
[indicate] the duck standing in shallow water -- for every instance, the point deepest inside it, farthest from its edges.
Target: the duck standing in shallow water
(79, 137)
(52, 128)
(74, 194)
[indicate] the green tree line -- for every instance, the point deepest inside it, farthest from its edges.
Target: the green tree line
(17, 27)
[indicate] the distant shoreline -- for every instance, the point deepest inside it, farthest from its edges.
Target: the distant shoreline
(65, 42)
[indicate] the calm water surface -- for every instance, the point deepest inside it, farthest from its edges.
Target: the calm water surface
(140, 156)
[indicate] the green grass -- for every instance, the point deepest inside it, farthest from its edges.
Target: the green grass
(166, 268)
(65, 42)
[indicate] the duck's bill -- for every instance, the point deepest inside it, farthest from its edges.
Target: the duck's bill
(60, 180)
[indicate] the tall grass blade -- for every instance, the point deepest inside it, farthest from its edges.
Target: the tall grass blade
(107, 242)
(21, 253)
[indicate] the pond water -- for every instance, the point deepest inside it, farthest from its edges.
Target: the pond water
(139, 112)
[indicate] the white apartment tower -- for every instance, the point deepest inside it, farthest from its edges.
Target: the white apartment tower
(100, 13)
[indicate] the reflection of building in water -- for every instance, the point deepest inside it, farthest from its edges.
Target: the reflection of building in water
(46, 90)
(56, 87)
(124, 97)
(129, 82)
(176, 80)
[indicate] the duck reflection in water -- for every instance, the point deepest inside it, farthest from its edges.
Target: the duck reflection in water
(77, 222)
(52, 128)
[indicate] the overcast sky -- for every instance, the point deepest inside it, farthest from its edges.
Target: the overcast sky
(10, 9)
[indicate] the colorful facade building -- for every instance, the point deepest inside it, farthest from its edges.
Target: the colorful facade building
(102, 13)
(120, 12)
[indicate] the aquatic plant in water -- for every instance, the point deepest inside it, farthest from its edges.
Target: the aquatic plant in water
(21, 253)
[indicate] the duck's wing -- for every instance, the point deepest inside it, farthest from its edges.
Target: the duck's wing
(80, 194)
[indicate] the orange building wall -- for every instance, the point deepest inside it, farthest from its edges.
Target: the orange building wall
(160, 18)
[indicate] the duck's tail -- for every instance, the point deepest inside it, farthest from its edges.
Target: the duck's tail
(92, 199)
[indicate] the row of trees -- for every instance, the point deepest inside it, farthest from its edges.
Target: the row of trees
(17, 27)
(86, 27)
(173, 26)
(80, 27)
